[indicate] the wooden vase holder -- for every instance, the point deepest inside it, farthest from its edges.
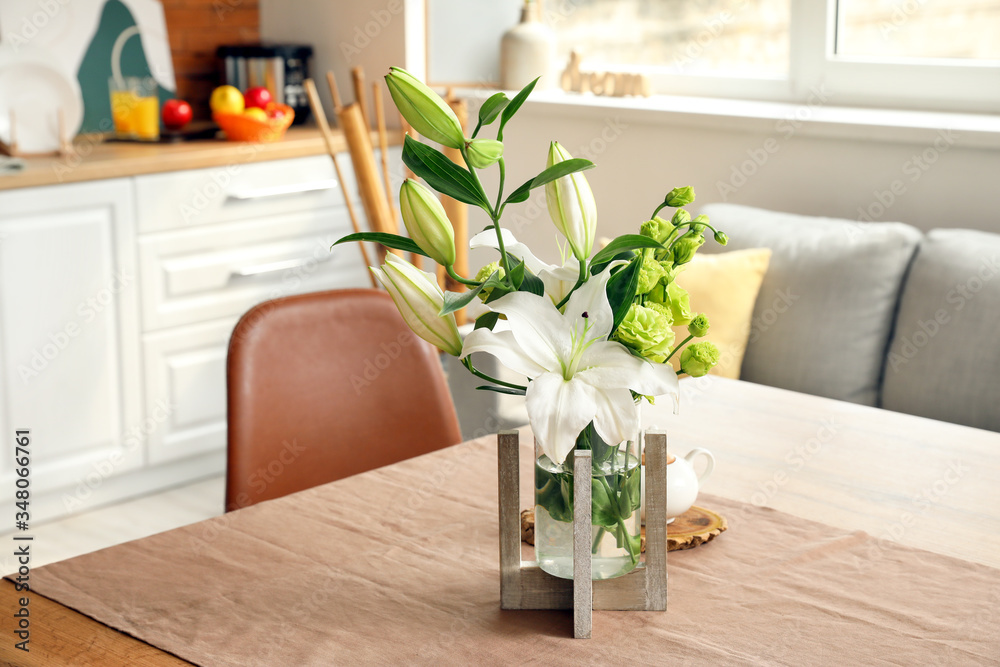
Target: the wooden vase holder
(523, 585)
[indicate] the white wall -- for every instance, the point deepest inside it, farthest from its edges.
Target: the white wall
(344, 34)
(640, 157)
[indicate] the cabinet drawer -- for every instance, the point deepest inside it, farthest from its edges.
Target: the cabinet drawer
(192, 198)
(198, 275)
(186, 381)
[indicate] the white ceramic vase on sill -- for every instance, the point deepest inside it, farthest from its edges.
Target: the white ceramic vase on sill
(527, 50)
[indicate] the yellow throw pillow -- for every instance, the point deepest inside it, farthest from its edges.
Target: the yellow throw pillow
(724, 287)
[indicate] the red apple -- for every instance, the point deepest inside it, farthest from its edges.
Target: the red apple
(257, 97)
(176, 114)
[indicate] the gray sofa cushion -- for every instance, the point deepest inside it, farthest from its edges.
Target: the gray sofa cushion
(944, 360)
(823, 317)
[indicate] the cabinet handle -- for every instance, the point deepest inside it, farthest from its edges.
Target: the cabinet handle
(274, 267)
(282, 190)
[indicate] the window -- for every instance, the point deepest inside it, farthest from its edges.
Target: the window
(933, 54)
(959, 29)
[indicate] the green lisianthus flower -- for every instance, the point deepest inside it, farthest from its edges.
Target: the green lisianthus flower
(698, 224)
(698, 327)
(485, 273)
(680, 196)
(657, 229)
(699, 358)
(643, 328)
(658, 353)
(650, 273)
(675, 298)
(680, 217)
(685, 248)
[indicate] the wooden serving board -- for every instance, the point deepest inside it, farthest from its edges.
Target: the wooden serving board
(691, 529)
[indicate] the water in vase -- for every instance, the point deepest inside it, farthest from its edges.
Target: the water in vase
(615, 533)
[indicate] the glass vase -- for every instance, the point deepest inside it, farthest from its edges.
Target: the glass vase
(616, 496)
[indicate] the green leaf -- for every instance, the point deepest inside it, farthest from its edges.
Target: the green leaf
(487, 321)
(499, 291)
(602, 511)
(388, 240)
(632, 485)
(502, 390)
(514, 105)
(564, 168)
(517, 274)
(621, 291)
(620, 244)
(442, 174)
(549, 494)
(491, 109)
(458, 300)
(533, 284)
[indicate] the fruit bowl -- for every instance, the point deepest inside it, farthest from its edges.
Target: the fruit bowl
(239, 127)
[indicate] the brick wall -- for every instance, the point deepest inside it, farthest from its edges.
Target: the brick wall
(196, 28)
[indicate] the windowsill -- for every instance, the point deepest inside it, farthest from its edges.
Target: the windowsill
(815, 119)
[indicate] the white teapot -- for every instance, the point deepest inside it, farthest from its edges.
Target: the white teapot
(683, 482)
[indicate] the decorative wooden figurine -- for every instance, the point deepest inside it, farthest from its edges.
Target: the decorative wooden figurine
(523, 585)
(611, 84)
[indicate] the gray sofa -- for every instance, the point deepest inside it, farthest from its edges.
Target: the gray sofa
(873, 313)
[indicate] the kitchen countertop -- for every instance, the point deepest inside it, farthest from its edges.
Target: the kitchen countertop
(92, 159)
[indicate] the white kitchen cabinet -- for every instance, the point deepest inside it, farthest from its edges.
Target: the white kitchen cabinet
(186, 379)
(116, 308)
(69, 334)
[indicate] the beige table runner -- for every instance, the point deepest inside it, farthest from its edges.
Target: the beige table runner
(400, 566)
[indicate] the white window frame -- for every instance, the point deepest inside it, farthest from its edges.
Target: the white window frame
(816, 71)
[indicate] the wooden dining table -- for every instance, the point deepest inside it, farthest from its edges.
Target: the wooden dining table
(800, 478)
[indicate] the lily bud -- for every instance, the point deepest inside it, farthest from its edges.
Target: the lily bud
(427, 223)
(419, 300)
(721, 238)
(483, 152)
(698, 327)
(571, 205)
(424, 109)
(680, 196)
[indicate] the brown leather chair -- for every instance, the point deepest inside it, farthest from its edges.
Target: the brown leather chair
(326, 385)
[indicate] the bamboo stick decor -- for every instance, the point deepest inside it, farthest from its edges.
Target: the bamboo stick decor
(359, 143)
(324, 128)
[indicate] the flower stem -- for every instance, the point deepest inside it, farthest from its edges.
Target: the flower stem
(467, 362)
(682, 344)
(494, 215)
(465, 281)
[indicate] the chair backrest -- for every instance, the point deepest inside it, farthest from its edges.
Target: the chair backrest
(327, 385)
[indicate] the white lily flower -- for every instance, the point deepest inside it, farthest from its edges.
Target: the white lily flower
(419, 299)
(558, 280)
(577, 375)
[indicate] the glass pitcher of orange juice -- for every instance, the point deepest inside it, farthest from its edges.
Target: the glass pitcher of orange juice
(135, 107)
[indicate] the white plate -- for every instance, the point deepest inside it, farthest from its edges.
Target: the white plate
(35, 90)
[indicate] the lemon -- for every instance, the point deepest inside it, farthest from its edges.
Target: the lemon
(256, 114)
(226, 99)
